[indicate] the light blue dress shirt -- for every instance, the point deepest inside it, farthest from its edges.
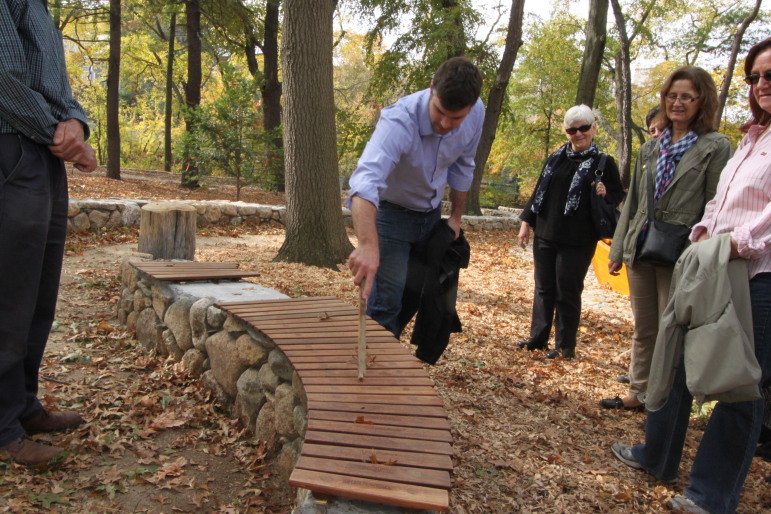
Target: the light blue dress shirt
(407, 164)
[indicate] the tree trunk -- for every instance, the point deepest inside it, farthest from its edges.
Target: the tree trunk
(167, 156)
(593, 51)
(315, 234)
(167, 230)
(456, 44)
(271, 96)
(729, 72)
(113, 93)
(193, 86)
(623, 97)
(494, 102)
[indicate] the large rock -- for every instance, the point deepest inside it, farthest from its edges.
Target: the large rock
(249, 352)
(265, 427)
(280, 365)
(284, 405)
(268, 379)
(251, 396)
(194, 362)
(178, 320)
(211, 383)
(215, 317)
(149, 329)
(198, 327)
(225, 364)
(162, 298)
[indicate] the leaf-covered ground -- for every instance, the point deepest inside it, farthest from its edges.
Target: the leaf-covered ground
(528, 433)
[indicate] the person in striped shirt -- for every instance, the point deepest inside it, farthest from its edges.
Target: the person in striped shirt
(41, 126)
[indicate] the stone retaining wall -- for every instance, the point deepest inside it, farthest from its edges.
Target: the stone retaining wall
(244, 369)
(95, 215)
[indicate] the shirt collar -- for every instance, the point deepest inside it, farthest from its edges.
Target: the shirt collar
(424, 120)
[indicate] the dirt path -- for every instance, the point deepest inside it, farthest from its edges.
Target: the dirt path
(153, 441)
(528, 433)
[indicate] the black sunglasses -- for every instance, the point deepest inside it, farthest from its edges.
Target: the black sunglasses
(755, 77)
(582, 128)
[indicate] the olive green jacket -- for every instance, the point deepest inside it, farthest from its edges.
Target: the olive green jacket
(693, 185)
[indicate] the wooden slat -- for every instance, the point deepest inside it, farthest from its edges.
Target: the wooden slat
(401, 495)
(370, 389)
(275, 301)
(416, 460)
(376, 408)
(377, 442)
(184, 264)
(390, 473)
(381, 419)
(389, 399)
(355, 427)
(379, 373)
(384, 338)
(179, 271)
(422, 434)
(377, 365)
(374, 381)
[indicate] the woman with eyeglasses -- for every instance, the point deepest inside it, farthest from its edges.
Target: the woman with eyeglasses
(684, 165)
(565, 238)
(742, 209)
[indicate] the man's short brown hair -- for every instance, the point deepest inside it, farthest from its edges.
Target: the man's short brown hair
(457, 83)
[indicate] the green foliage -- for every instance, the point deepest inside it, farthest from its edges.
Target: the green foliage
(228, 138)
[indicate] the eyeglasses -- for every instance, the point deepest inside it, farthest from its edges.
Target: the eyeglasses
(583, 128)
(684, 99)
(755, 77)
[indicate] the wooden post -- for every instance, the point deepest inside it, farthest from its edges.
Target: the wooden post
(362, 333)
(167, 230)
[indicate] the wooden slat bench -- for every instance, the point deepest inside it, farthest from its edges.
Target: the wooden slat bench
(191, 270)
(384, 439)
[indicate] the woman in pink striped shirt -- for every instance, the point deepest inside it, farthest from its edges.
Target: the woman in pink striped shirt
(741, 207)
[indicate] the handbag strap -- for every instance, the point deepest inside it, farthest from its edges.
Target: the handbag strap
(650, 195)
(600, 168)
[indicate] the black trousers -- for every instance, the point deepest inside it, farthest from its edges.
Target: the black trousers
(559, 281)
(33, 227)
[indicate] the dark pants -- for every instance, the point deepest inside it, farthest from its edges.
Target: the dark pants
(33, 226)
(729, 441)
(400, 231)
(559, 281)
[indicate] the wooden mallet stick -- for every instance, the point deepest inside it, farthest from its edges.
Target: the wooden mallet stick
(362, 333)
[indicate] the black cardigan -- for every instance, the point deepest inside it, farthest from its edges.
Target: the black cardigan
(552, 224)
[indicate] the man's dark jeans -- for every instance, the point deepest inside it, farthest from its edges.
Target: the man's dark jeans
(33, 227)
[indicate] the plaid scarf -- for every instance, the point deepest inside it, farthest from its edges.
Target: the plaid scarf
(669, 155)
(574, 193)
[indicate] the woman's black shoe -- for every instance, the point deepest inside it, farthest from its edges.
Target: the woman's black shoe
(567, 353)
(618, 403)
(529, 345)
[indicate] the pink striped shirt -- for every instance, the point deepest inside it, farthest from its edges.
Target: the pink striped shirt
(742, 203)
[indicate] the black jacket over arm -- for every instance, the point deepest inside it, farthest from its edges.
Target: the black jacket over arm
(431, 291)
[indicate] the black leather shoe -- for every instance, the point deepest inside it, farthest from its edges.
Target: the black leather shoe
(566, 353)
(530, 345)
(618, 403)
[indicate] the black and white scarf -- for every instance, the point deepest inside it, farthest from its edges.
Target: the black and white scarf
(587, 158)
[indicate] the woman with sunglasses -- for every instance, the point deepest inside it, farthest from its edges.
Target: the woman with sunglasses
(684, 164)
(565, 238)
(741, 208)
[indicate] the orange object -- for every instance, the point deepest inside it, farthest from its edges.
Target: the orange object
(619, 283)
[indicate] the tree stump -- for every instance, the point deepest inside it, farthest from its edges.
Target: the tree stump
(167, 230)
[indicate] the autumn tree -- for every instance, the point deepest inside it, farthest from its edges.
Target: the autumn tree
(594, 49)
(113, 93)
(192, 87)
(495, 101)
(315, 234)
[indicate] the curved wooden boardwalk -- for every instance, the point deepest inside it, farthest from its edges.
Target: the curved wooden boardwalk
(384, 439)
